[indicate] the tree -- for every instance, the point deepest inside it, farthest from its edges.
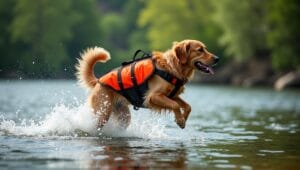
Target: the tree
(121, 35)
(44, 27)
(7, 48)
(284, 35)
(136, 35)
(86, 32)
(243, 26)
(170, 22)
(177, 20)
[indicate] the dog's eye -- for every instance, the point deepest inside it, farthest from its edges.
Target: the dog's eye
(200, 49)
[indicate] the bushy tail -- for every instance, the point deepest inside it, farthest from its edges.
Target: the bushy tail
(85, 67)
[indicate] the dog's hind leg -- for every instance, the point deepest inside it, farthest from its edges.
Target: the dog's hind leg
(121, 114)
(101, 102)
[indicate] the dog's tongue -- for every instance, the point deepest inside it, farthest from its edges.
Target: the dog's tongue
(204, 68)
(210, 70)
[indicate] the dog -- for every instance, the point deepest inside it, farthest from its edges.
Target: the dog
(177, 64)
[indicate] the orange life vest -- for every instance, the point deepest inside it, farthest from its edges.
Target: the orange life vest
(131, 79)
(141, 72)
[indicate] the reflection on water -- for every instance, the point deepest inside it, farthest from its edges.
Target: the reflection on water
(130, 153)
(46, 124)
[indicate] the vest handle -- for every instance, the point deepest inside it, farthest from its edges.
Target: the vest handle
(134, 58)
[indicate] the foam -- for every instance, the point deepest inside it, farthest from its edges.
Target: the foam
(143, 125)
(79, 121)
(62, 121)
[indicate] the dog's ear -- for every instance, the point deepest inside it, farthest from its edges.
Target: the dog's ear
(182, 51)
(174, 43)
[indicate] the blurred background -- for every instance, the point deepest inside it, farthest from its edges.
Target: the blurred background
(258, 40)
(47, 124)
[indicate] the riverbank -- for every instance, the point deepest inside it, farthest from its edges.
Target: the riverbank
(251, 74)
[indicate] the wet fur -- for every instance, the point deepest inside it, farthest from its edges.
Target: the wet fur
(179, 61)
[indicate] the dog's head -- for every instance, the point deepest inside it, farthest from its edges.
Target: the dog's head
(194, 54)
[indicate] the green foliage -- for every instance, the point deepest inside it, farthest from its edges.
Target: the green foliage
(43, 38)
(8, 54)
(121, 35)
(86, 32)
(112, 26)
(284, 35)
(243, 27)
(137, 38)
(171, 21)
(41, 27)
(177, 20)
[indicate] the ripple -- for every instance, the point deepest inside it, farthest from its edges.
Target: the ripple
(228, 137)
(246, 167)
(18, 151)
(99, 157)
(220, 161)
(37, 159)
(271, 151)
(248, 132)
(280, 127)
(222, 155)
(225, 166)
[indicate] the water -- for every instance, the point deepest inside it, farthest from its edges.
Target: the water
(47, 124)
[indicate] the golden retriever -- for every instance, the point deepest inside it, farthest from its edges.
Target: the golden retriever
(180, 61)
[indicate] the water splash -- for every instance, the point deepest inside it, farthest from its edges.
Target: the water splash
(143, 125)
(79, 121)
(62, 121)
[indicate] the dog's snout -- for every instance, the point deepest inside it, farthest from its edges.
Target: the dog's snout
(216, 59)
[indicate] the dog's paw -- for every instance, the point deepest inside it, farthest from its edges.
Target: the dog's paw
(181, 122)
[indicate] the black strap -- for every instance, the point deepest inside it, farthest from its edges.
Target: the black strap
(178, 83)
(132, 74)
(143, 56)
(122, 91)
(165, 75)
(120, 78)
(138, 99)
(136, 88)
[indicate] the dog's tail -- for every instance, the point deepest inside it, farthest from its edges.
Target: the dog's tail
(85, 67)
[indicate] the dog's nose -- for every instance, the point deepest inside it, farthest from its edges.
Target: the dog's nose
(216, 59)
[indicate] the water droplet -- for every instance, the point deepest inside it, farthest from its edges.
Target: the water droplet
(33, 62)
(65, 69)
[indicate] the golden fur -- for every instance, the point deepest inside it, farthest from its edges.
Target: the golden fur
(178, 61)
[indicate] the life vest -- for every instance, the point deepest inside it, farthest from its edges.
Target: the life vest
(131, 79)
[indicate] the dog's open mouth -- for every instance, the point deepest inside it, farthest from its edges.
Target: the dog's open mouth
(204, 68)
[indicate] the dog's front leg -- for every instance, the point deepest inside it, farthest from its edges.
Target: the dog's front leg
(186, 107)
(164, 102)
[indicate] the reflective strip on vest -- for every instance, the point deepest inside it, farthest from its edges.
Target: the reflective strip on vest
(143, 70)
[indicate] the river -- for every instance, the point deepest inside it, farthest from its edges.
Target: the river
(48, 124)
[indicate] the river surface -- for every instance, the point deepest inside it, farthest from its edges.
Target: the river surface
(48, 124)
